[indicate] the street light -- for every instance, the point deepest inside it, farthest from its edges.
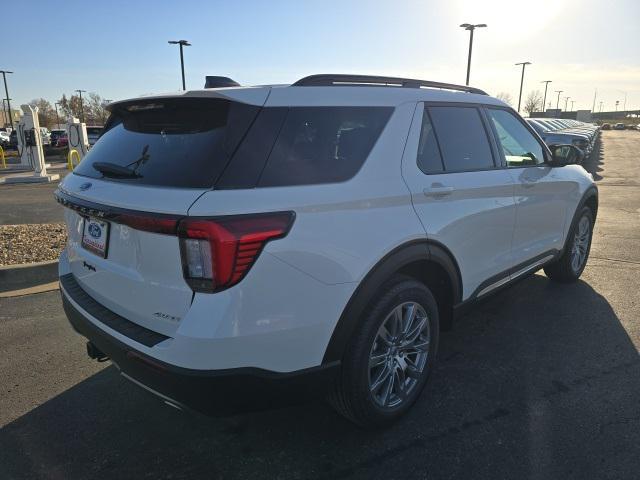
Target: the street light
(617, 102)
(558, 100)
(182, 43)
(57, 116)
(624, 105)
(4, 109)
(566, 100)
(81, 105)
(546, 85)
(471, 28)
(6, 91)
(524, 64)
(572, 101)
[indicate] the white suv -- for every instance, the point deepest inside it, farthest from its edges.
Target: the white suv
(234, 248)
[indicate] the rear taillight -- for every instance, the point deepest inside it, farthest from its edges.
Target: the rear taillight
(218, 252)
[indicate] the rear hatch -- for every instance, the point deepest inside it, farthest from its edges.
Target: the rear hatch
(155, 158)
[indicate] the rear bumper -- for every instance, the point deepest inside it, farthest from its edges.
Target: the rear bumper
(212, 392)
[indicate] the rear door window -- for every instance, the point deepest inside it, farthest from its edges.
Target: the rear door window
(323, 144)
(178, 142)
(462, 138)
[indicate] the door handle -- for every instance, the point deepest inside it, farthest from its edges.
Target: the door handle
(437, 190)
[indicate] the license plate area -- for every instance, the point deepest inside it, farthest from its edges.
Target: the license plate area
(95, 236)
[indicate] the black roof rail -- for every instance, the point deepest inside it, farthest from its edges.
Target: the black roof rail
(328, 80)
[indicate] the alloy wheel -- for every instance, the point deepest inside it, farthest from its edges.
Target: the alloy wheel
(399, 354)
(580, 245)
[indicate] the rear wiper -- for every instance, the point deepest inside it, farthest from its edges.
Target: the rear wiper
(109, 169)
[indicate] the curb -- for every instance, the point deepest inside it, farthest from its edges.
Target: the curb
(27, 277)
(47, 287)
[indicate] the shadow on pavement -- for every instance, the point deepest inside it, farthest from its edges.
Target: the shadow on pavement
(541, 381)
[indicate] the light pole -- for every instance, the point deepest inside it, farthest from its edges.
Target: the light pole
(624, 105)
(4, 109)
(6, 91)
(103, 112)
(617, 102)
(524, 64)
(601, 103)
(182, 43)
(471, 28)
(566, 100)
(558, 100)
(546, 85)
(572, 101)
(57, 116)
(81, 105)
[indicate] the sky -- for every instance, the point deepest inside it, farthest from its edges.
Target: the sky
(119, 48)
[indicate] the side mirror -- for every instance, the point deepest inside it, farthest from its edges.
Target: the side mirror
(562, 155)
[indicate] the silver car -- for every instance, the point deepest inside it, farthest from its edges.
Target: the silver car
(562, 137)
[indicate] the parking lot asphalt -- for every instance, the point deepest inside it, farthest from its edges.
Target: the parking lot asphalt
(542, 381)
(24, 203)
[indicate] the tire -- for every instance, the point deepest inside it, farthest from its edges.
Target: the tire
(352, 395)
(566, 269)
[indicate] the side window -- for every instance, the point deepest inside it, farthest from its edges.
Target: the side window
(521, 149)
(462, 138)
(323, 144)
(429, 158)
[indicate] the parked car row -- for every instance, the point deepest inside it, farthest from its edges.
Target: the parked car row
(556, 131)
(12, 138)
(59, 138)
(93, 133)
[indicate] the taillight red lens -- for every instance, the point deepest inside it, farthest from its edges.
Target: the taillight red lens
(218, 252)
(148, 222)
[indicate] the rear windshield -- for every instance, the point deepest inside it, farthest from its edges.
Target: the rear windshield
(184, 142)
(205, 143)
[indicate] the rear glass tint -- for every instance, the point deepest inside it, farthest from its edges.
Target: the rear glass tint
(323, 144)
(429, 159)
(249, 160)
(183, 142)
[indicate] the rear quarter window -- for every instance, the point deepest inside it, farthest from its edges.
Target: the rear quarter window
(323, 144)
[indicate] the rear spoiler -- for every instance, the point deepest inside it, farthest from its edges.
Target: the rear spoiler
(212, 81)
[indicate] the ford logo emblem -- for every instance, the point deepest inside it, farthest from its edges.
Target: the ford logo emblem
(95, 231)
(85, 186)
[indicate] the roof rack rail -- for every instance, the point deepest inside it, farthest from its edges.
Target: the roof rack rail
(328, 80)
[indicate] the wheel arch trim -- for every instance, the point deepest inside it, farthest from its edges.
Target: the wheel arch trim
(591, 192)
(401, 256)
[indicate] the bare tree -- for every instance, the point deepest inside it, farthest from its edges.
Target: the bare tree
(533, 103)
(94, 109)
(46, 113)
(505, 97)
(70, 106)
